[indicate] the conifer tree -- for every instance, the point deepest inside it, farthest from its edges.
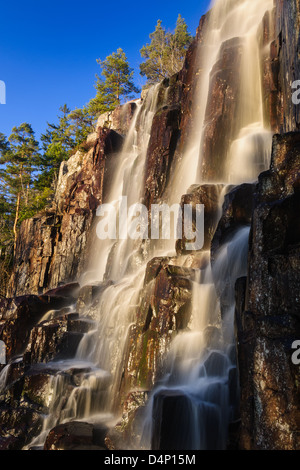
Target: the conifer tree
(165, 54)
(57, 143)
(82, 123)
(114, 86)
(19, 161)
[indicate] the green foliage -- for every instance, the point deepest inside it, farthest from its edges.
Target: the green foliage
(114, 86)
(57, 142)
(19, 159)
(82, 123)
(165, 54)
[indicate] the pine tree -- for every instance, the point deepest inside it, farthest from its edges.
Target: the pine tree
(165, 53)
(115, 85)
(178, 44)
(57, 143)
(82, 123)
(19, 161)
(155, 54)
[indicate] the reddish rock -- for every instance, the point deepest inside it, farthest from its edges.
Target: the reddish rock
(164, 310)
(19, 315)
(209, 196)
(75, 435)
(66, 290)
(279, 39)
(55, 339)
(220, 116)
(173, 124)
(52, 247)
(19, 428)
(191, 78)
(162, 145)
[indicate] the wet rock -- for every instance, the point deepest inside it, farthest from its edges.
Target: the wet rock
(174, 123)
(209, 196)
(237, 212)
(233, 387)
(162, 145)
(75, 435)
(153, 268)
(19, 315)
(216, 364)
(18, 426)
(279, 39)
(171, 427)
(54, 339)
(173, 415)
(89, 293)
(219, 125)
(212, 336)
(164, 310)
(229, 246)
(270, 66)
(66, 290)
(191, 78)
(127, 434)
(268, 319)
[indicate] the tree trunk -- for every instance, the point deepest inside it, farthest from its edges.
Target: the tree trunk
(16, 222)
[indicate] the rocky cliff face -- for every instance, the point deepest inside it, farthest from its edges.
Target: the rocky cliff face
(52, 248)
(267, 313)
(267, 310)
(40, 320)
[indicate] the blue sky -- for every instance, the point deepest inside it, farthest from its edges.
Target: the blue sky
(48, 49)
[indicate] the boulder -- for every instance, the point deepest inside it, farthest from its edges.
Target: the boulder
(237, 212)
(19, 315)
(119, 119)
(55, 339)
(171, 425)
(209, 196)
(76, 435)
(18, 426)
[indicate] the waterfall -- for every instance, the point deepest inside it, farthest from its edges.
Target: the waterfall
(200, 378)
(192, 406)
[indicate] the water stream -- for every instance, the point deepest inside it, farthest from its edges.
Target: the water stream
(201, 365)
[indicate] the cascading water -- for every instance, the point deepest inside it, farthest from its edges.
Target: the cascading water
(100, 353)
(200, 369)
(200, 387)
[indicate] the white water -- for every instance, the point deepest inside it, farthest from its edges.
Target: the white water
(198, 366)
(201, 360)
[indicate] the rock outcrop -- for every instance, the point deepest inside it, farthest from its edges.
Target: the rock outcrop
(52, 247)
(219, 123)
(268, 317)
(279, 36)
